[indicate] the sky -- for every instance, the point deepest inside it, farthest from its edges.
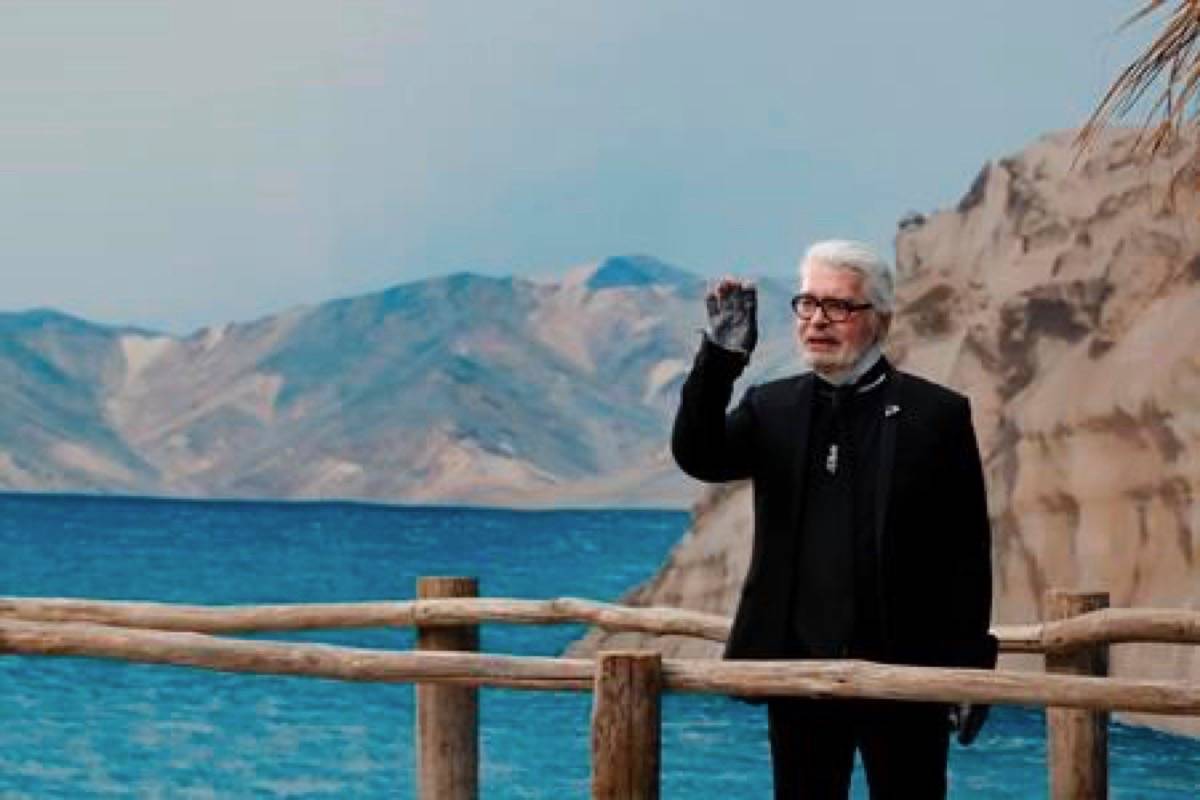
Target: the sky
(174, 165)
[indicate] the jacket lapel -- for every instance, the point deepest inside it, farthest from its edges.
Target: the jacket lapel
(801, 422)
(802, 419)
(887, 451)
(892, 411)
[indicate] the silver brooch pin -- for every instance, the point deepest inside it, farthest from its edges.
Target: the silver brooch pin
(831, 459)
(891, 410)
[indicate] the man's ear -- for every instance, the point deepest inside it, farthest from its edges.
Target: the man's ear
(884, 325)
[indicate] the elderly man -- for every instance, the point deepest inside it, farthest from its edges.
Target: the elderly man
(871, 536)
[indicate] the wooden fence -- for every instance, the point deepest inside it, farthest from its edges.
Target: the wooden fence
(626, 686)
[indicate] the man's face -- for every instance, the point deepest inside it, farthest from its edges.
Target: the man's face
(833, 347)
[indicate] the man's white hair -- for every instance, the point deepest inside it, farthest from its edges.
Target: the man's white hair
(878, 274)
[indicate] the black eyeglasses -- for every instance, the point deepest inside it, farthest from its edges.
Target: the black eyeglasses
(836, 309)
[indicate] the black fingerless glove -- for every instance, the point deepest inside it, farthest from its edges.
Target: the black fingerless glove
(733, 319)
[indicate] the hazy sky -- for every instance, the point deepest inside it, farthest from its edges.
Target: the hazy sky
(177, 164)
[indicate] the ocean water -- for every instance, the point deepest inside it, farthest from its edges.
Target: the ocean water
(83, 728)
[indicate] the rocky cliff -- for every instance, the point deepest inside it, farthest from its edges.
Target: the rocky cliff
(1064, 299)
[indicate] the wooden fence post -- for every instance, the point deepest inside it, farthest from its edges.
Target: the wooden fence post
(626, 726)
(447, 716)
(1077, 741)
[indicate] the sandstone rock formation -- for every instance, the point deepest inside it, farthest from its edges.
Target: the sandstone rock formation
(1065, 301)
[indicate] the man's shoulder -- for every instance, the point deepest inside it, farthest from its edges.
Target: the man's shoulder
(780, 388)
(913, 386)
(927, 391)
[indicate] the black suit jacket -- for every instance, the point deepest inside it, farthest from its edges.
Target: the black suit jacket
(931, 524)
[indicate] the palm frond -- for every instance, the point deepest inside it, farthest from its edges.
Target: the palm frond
(1173, 61)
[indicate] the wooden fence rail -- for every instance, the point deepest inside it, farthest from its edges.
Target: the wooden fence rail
(830, 679)
(1108, 626)
(626, 686)
(330, 616)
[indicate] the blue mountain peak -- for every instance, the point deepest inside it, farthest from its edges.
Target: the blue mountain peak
(637, 271)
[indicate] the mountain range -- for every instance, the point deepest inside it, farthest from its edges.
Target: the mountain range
(456, 389)
(1060, 294)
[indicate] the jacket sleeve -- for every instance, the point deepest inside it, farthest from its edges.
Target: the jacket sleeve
(708, 444)
(971, 576)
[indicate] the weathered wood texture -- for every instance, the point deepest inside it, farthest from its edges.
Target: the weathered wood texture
(329, 616)
(1123, 625)
(626, 726)
(808, 678)
(286, 658)
(447, 721)
(1019, 638)
(1116, 625)
(1076, 740)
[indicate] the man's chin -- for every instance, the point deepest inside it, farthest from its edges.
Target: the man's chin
(823, 362)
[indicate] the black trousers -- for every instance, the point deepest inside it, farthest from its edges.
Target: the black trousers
(904, 748)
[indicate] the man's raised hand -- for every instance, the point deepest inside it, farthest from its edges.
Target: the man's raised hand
(733, 315)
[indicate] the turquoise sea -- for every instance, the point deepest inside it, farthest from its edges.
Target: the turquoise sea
(80, 728)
